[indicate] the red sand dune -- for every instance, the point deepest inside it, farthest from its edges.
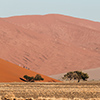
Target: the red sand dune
(50, 44)
(12, 73)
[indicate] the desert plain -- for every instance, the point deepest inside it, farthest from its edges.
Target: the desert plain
(50, 91)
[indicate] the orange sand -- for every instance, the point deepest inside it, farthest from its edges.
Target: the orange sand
(11, 73)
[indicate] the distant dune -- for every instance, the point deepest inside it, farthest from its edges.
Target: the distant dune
(12, 73)
(94, 74)
(50, 44)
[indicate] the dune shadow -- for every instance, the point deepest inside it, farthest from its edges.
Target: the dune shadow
(22, 79)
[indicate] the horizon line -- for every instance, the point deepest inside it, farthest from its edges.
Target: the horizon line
(52, 14)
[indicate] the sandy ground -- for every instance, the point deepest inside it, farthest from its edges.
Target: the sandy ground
(12, 73)
(69, 91)
(94, 74)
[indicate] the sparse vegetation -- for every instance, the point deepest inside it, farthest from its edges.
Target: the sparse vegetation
(38, 77)
(32, 79)
(50, 91)
(28, 78)
(76, 75)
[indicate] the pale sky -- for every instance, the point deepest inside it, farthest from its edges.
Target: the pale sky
(87, 9)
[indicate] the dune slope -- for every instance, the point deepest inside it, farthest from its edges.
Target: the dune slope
(50, 44)
(12, 73)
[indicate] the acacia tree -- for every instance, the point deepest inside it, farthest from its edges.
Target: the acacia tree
(28, 78)
(76, 75)
(32, 79)
(38, 77)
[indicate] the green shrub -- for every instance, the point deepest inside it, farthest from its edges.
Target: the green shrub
(28, 78)
(32, 79)
(38, 77)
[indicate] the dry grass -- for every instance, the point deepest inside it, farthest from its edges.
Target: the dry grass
(50, 91)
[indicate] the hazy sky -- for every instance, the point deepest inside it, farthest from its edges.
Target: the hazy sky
(88, 9)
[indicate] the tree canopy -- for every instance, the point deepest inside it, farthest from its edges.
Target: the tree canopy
(32, 79)
(38, 77)
(76, 75)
